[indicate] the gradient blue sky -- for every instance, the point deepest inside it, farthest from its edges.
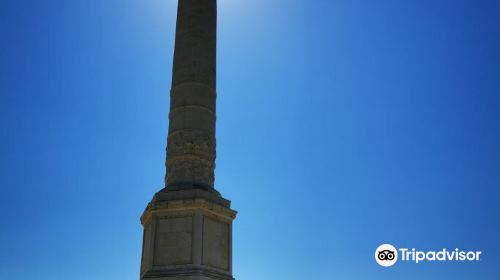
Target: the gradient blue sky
(341, 125)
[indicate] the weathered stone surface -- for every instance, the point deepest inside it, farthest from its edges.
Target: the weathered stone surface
(193, 93)
(215, 243)
(191, 141)
(190, 158)
(187, 238)
(195, 42)
(190, 170)
(173, 241)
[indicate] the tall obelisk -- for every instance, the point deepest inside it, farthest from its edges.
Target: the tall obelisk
(188, 224)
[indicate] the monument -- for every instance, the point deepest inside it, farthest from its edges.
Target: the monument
(188, 224)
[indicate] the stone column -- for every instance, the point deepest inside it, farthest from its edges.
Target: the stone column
(188, 224)
(191, 135)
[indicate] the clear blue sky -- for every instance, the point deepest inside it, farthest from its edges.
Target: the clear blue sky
(341, 125)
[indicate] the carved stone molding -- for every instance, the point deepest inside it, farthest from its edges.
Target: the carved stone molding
(191, 142)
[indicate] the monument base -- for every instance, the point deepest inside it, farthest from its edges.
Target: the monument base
(187, 236)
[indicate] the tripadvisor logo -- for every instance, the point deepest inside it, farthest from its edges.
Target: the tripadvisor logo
(387, 255)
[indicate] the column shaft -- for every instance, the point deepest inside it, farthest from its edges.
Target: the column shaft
(191, 135)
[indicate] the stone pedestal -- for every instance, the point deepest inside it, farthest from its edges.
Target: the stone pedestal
(187, 236)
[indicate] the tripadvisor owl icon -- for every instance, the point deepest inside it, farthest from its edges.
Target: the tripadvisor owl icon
(386, 255)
